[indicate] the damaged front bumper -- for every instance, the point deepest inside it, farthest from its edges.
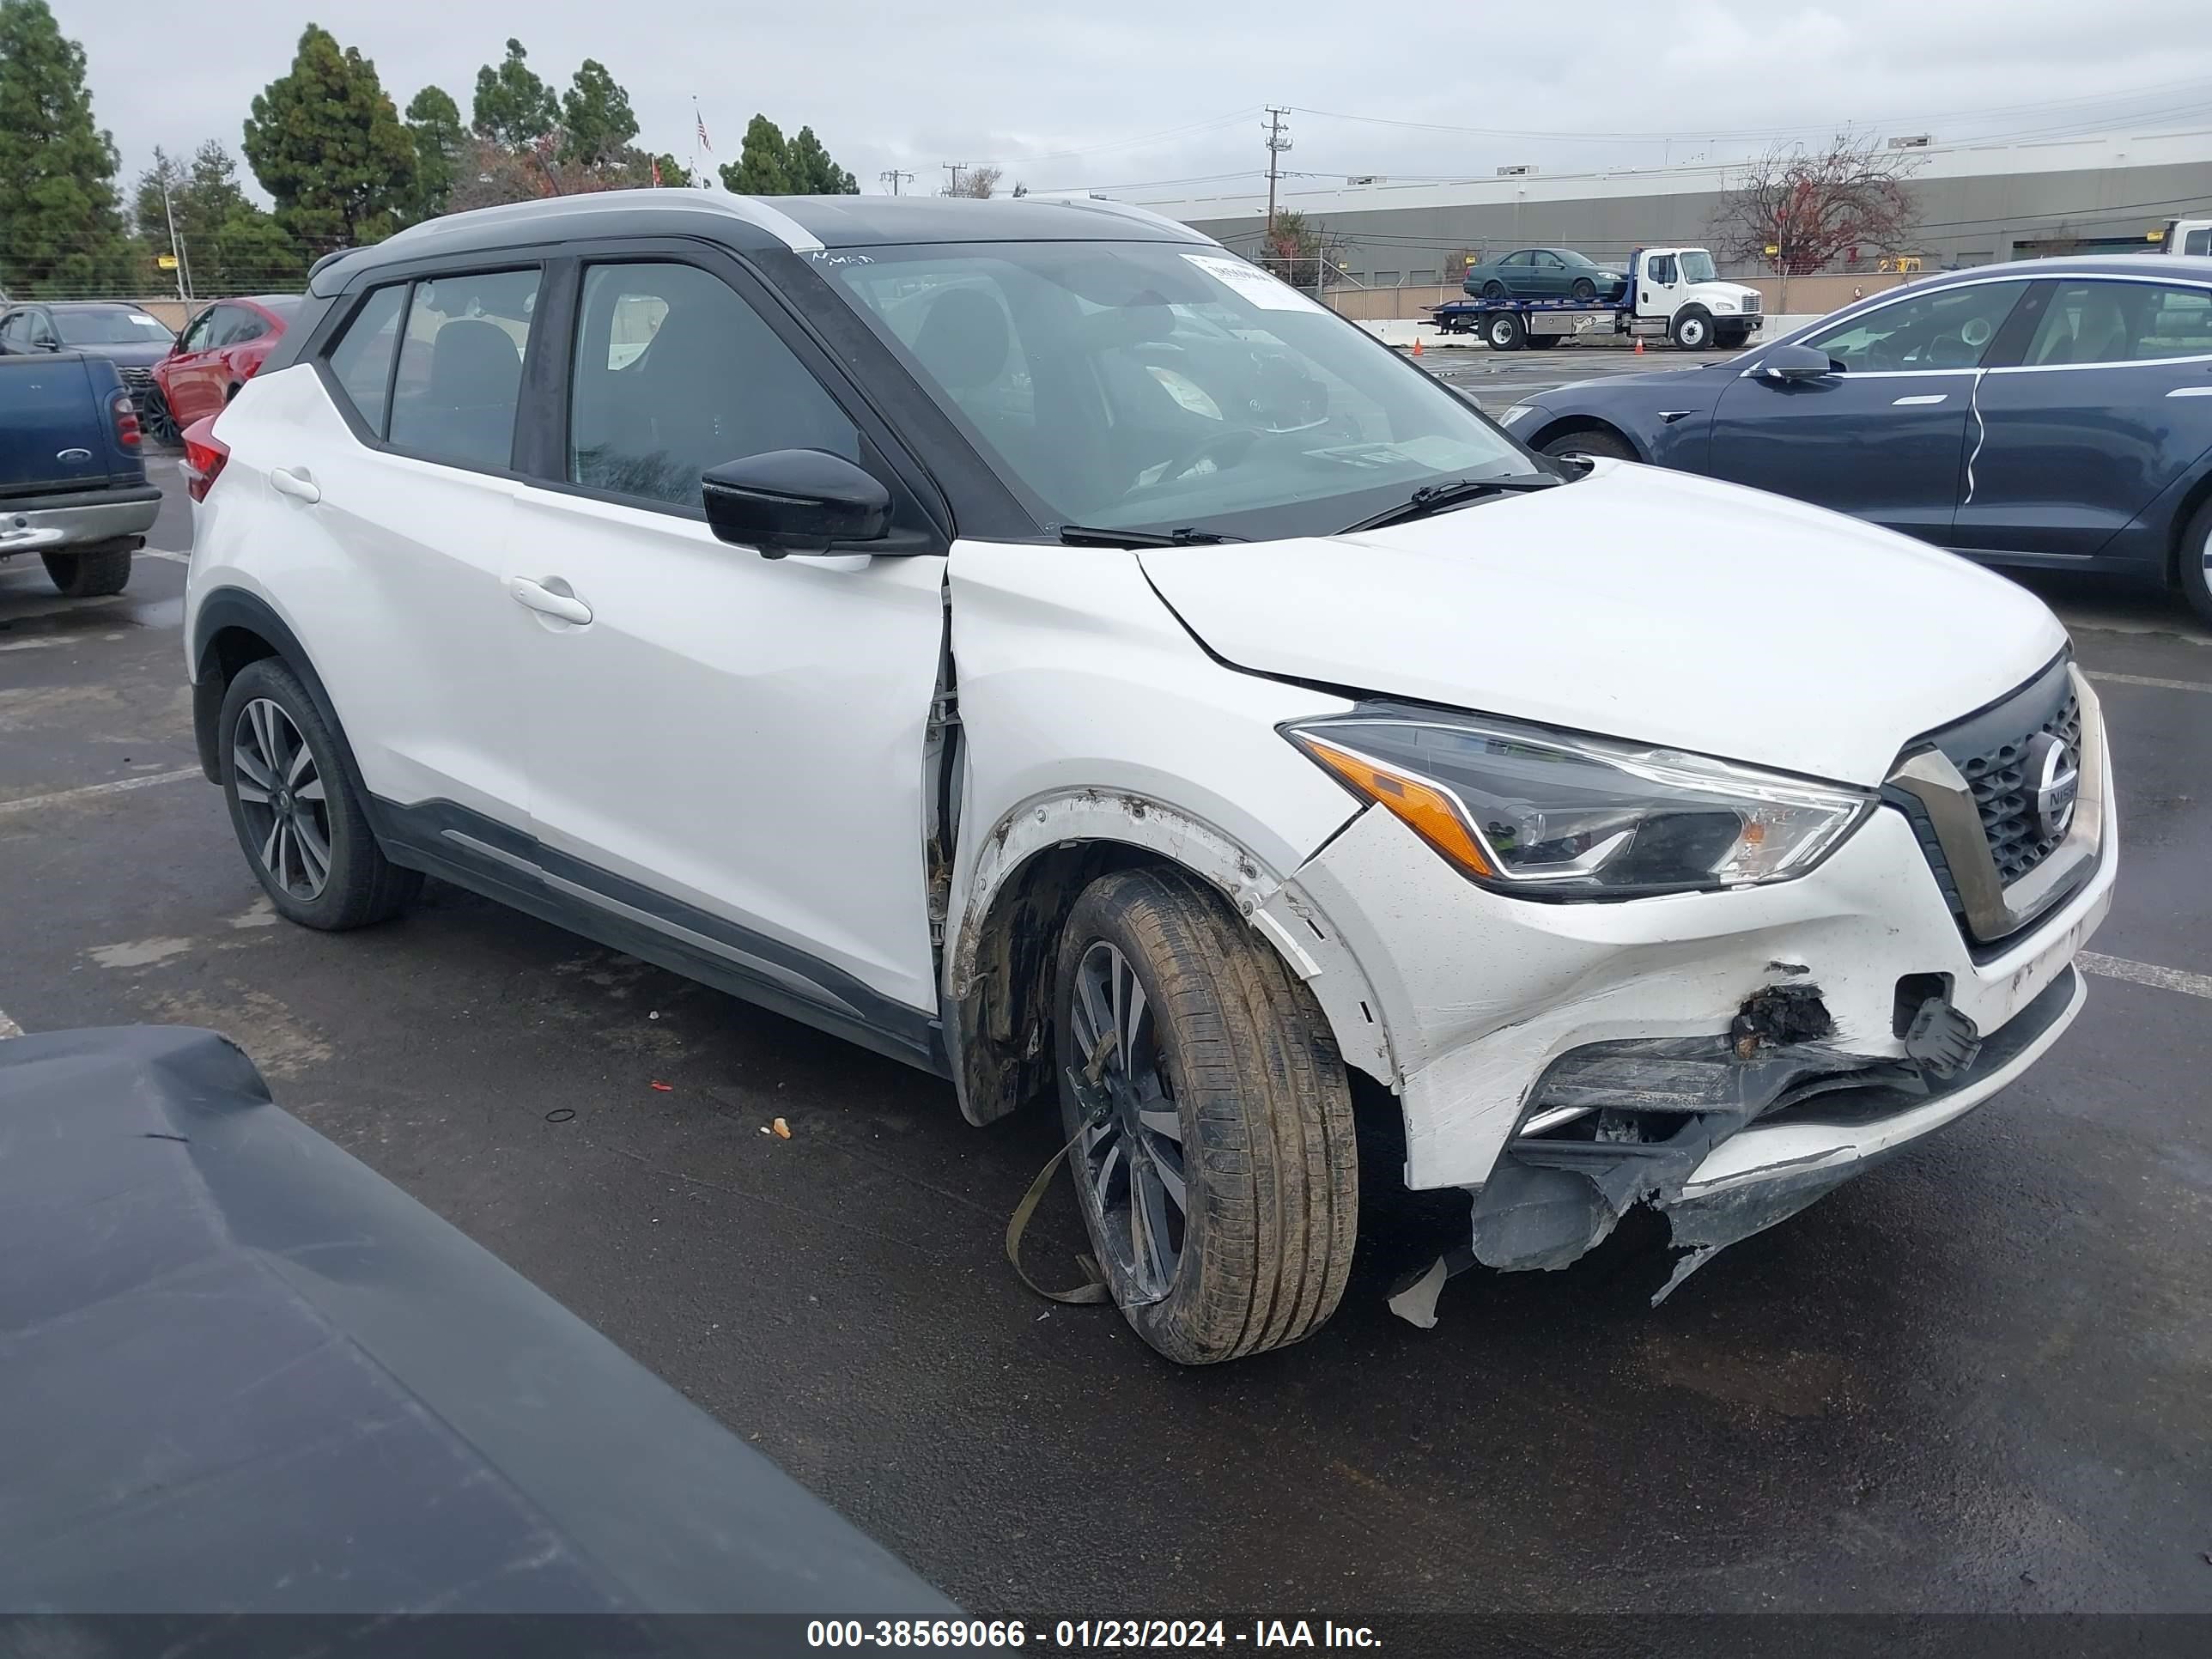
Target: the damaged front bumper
(1725, 1057)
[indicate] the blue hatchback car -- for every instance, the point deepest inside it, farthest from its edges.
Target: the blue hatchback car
(2055, 413)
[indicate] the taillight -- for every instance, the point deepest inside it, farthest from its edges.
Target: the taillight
(203, 459)
(126, 420)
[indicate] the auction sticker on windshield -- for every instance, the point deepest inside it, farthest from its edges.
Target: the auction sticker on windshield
(1255, 284)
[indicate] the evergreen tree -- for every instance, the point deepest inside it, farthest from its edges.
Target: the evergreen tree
(229, 246)
(596, 122)
(813, 173)
(328, 146)
(514, 108)
(441, 145)
(763, 163)
(61, 231)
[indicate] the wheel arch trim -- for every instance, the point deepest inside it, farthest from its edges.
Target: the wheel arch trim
(1122, 821)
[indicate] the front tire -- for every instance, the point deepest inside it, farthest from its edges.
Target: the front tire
(1573, 443)
(1584, 291)
(1220, 1182)
(91, 574)
(298, 818)
(2195, 573)
(1693, 328)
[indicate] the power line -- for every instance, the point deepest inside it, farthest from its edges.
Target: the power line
(1278, 141)
(892, 177)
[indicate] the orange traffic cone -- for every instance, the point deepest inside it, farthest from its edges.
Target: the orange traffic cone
(1417, 345)
(1639, 347)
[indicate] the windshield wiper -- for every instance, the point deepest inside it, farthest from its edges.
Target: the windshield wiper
(1080, 535)
(1434, 498)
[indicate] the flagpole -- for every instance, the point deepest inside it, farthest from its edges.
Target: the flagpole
(698, 126)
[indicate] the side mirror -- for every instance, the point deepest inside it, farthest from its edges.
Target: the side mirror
(795, 501)
(1796, 362)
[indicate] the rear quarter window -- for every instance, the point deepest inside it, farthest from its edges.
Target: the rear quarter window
(361, 358)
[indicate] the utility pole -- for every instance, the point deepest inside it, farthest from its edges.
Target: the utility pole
(890, 178)
(1279, 140)
(955, 168)
(176, 253)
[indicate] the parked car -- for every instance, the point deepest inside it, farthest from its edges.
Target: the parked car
(73, 487)
(133, 339)
(833, 622)
(219, 352)
(2054, 414)
(1545, 273)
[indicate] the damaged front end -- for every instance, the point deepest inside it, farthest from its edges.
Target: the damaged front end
(1612, 1124)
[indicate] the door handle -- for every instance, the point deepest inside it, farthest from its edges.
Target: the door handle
(536, 596)
(298, 485)
(1920, 401)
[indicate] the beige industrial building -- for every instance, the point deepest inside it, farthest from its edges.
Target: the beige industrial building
(1979, 202)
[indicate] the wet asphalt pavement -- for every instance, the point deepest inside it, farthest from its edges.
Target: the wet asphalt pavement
(1979, 1378)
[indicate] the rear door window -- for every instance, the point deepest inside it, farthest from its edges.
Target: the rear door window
(2106, 322)
(362, 358)
(459, 378)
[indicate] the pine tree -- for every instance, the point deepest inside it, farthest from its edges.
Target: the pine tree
(328, 146)
(514, 108)
(597, 125)
(442, 144)
(763, 163)
(60, 229)
(229, 246)
(813, 170)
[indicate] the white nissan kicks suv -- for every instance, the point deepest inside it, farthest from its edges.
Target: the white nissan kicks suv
(1029, 641)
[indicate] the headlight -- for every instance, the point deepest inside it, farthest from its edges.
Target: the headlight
(1547, 814)
(1723, 305)
(1515, 415)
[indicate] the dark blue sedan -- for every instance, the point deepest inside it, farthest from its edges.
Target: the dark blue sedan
(2055, 413)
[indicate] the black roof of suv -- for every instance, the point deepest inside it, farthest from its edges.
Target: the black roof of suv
(803, 224)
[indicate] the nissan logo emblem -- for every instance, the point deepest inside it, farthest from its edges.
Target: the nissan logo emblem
(2054, 772)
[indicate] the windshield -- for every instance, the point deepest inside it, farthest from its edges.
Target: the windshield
(1152, 387)
(1697, 265)
(83, 328)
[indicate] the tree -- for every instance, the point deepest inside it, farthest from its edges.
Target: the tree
(595, 118)
(1794, 209)
(228, 245)
(674, 175)
(1298, 251)
(1020, 190)
(61, 231)
(813, 170)
(763, 163)
(983, 183)
(514, 108)
(327, 145)
(441, 147)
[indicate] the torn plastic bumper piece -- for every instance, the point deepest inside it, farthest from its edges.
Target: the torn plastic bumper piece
(1614, 1124)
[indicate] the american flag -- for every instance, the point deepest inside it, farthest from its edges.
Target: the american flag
(656, 172)
(700, 121)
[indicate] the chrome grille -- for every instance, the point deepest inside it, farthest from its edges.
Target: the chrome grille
(139, 379)
(1751, 303)
(2006, 798)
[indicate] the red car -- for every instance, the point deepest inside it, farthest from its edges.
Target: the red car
(218, 352)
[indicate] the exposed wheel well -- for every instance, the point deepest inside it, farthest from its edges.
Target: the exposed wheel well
(1006, 1017)
(227, 652)
(1568, 425)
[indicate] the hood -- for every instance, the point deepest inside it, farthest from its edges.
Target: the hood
(1680, 376)
(1635, 603)
(124, 356)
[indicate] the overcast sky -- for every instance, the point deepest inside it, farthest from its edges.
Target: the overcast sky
(1138, 92)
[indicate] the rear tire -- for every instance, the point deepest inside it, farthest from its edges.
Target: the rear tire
(2195, 573)
(324, 870)
(1493, 290)
(1502, 331)
(1219, 1070)
(1591, 443)
(91, 572)
(160, 422)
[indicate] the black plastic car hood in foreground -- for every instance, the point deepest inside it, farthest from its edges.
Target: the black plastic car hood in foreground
(241, 1373)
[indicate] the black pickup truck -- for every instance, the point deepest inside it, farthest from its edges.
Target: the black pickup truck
(73, 485)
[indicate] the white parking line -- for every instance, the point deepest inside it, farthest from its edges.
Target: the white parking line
(2145, 680)
(2144, 973)
(119, 786)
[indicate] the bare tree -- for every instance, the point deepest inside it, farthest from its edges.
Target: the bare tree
(1298, 251)
(1794, 210)
(979, 182)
